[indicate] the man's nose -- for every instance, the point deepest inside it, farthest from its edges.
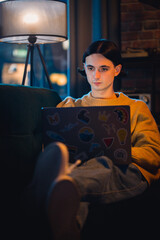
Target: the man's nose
(97, 74)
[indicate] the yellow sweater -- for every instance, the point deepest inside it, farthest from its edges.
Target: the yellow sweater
(145, 137)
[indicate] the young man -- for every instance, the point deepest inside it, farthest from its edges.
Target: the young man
(66, 191)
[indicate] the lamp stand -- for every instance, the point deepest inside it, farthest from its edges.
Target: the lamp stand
(30, 52)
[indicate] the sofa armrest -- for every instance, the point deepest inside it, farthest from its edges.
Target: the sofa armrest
(21, 128)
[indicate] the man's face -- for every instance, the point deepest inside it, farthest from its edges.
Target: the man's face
(100, 73)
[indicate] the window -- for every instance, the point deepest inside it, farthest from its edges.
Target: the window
(12, 63)
(56, 58)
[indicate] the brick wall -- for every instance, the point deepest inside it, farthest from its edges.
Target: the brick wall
(140, 25)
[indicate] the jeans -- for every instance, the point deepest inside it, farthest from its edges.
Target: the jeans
(101, 181)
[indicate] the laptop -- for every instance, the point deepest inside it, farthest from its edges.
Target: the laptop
(90, 132)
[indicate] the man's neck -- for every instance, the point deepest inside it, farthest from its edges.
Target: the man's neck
(103, 95)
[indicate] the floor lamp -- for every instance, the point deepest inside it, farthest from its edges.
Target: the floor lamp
(33, 23)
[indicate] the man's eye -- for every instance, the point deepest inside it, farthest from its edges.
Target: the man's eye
(90, 68)
(103, 69)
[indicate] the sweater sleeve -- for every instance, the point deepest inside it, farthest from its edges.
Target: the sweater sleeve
(67, 102)
(145, 139)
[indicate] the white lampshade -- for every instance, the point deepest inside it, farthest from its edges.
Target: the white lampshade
(44, 21)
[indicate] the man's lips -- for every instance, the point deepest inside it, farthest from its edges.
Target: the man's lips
(97, 83)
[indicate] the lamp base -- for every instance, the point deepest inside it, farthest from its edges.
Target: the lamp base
(30, 52)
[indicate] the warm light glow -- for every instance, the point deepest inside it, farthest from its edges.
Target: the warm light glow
(46, 20)
(65, 45)
(58, 78)
(30, 18)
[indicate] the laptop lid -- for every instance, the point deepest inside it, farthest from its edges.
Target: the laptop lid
(90, 132)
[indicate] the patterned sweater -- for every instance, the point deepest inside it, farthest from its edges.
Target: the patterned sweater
(145, 137)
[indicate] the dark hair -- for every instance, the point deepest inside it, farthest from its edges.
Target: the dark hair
(105, 47)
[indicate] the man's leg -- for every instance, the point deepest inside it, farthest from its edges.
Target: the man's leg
(101, 181)
(62, 210)
(57, 192)
(98, 180)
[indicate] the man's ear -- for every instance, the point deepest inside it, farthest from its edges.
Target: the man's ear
(118, 69)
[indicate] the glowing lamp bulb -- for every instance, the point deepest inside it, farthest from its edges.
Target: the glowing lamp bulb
(30, 18)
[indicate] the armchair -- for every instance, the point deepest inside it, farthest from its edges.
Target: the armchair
(20, 145)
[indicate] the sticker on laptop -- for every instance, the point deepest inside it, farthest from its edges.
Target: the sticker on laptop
(72, 149)
(103, 117)
(108, 142)
(86, 134)
(93, 147)
(53, 119)
(122, 135)
(54, 136)
(69, 127)
(109, 128)
(83, 116)
(121, 155)
(122, 114)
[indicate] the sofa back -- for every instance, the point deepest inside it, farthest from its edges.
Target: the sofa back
(21, 129)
